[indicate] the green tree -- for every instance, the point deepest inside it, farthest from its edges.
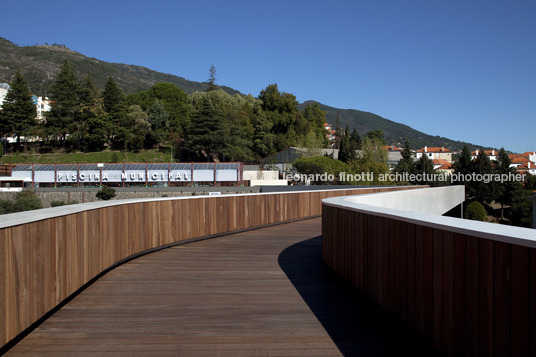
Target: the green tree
(112, 96)
(372, 161)
(506, 190)
(64, 96)
(347, 150)
(139, 127)
(211, 79)
(159, 119)
(406, 164)
(18, 109)
(484, 192)
(355, 139)
(425, 168)
(464, 166)
(377, 136)
(206, 137)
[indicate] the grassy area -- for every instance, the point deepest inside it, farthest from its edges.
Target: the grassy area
(92, 157)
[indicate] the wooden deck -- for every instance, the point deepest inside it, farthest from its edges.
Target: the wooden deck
(264, 292)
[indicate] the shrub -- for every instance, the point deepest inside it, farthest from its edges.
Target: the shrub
(62, 203)
(475, 211)
(318, 165)
(57, 203)
(26, 201)
(6, 206)
(106, 193)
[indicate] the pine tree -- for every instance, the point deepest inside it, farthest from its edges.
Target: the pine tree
(346, 149)
(505, 191)
(19, 110)
(64, 96)
(483, 192)
(406, 164)
(112, 96)
(424, 166)
(462, 167)
(211, 79)
(207, 132)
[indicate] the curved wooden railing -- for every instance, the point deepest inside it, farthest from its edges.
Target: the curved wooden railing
(47, 255)
(467, 287)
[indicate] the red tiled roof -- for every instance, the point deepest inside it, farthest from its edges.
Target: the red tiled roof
(434, 149)
(519, 160)
(392, 148)
(441, 162)
(487, 152)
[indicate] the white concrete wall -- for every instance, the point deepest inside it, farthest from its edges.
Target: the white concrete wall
(423, 206)
(437, 200)
(268, 183)
(261, 175)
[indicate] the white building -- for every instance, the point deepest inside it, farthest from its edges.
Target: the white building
(491, 154)
(4, 87)
(41, 106)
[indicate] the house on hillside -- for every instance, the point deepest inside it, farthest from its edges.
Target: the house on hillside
(435, 153)
(491, 154)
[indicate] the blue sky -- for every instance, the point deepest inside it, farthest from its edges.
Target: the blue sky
(461, 69)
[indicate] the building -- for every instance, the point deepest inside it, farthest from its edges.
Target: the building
(442, 165)
(435, 153)
(330, 133)
(4, 88)
(132, 175)
(491, 154)
(41, 106)
(527, 168)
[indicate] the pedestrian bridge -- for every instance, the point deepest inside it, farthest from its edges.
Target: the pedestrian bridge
(79, 280)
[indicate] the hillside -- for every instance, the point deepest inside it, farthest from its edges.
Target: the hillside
(39, 64)
(395, 133)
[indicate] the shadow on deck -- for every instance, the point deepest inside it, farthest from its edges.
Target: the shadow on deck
(356, 324)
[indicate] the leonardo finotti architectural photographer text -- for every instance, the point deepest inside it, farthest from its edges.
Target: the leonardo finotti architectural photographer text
(406, 177)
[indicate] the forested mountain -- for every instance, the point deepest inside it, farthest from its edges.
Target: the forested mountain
(395, 133)
(40, 63)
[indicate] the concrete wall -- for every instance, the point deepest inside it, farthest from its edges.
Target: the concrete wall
(84, 195)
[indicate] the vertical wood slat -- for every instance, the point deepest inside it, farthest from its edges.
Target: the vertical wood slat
(472, 311)
(459, 278)
(471, 296)
(520, 304)
(486, 298)
(501, 298)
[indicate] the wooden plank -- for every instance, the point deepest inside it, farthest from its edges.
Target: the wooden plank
(263, 292)
(79, 246)
(447, 278)
(428, 285)
(438, 292)
(532, 312)
(412, 275)
(472, 311)
(3, 272)
(486, 300)
(459, 272)
(520, 301)
(501, 298)
(419, 279)
(403, 293)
